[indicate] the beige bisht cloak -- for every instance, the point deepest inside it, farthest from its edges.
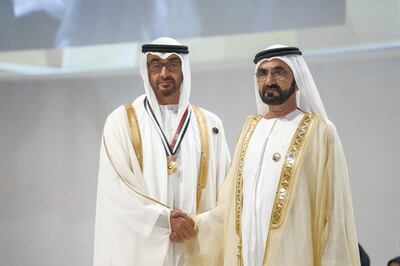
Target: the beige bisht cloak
(312, 219)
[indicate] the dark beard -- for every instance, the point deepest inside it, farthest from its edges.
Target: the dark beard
(282, 97)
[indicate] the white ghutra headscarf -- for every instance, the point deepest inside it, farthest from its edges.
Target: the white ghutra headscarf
(308, 99)
(186, 83)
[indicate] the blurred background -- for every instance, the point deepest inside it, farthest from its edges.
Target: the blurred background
(66, 64)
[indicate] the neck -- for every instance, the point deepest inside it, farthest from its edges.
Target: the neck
(283, 109)
(170, 99)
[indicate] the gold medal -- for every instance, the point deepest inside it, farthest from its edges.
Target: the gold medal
(171, 164)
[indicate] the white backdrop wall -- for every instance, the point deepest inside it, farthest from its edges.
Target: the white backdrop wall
(50, 129)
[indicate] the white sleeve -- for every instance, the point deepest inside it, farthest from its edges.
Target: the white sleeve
(124, 205)
(121, 196)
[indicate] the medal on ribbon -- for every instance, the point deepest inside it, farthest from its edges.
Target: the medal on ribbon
(171, 148)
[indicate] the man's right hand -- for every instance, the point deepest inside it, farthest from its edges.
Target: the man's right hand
(182, 226)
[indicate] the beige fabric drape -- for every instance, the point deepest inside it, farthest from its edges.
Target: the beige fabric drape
(317, 226)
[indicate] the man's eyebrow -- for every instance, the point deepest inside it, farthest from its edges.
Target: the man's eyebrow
(174, 59)
(272, 68)
(156, 60)
(279, 67)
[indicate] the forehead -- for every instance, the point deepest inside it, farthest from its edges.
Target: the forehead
(152, 57)
(274, 63)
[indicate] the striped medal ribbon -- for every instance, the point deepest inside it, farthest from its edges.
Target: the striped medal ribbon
(171, 148)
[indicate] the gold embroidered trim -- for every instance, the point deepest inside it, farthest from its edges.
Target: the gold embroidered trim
(289, 167)
(125, 181)
(204, 155)
(285, 187)
(136, 138)
(239, 183)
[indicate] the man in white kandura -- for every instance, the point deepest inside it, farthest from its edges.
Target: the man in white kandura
(286, 199)
(160, 157)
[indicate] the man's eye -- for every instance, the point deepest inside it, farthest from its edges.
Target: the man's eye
(263, 73)
(280, 72)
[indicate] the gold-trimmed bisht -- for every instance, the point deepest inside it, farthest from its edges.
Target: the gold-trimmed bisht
(286, 179)
(135, 135)
(239, 183)
(204, 155)
(136, 141)
(126, 182)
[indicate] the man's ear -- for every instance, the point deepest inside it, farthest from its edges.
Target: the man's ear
(295, 85)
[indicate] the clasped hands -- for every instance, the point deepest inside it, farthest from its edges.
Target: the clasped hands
(182, 227)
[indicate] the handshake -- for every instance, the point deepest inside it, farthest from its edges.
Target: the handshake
(182, 227)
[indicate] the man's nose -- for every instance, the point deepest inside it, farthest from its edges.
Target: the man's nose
(164, 72)
(270, 79)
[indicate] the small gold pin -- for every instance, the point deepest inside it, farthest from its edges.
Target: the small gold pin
(276, 157)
